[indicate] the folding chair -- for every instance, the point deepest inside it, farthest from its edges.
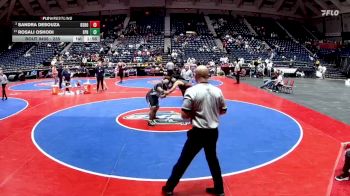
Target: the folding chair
(289, 88)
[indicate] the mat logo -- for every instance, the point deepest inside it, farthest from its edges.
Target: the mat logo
(44, 84)
(165, 118)
(154, 82)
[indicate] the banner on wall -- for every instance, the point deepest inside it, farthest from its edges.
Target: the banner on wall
(329, 45)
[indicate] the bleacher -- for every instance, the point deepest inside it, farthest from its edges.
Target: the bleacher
(327, 55)
(129, 47)
(149, 41)
(314, 31)
(203, 48)
(111, 25)
(226, 24)
(297, 31)
(238, 39)
(145, 25)
(141, 40)
(29, 55)
(201, 57)
(180, 23)
(194, 42)
(345, 52)
(199, 45)
(9, 56)
(287, 49)
(249, 48)
(40, 53)
(266, 27)
(85, 48)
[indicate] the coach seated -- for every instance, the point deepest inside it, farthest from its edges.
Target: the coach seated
(269, 83)
(278, 83)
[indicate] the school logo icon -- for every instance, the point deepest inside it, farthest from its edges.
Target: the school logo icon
(163, 118)
(168, 120)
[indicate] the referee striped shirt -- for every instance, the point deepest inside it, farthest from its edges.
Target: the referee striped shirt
(205, 102)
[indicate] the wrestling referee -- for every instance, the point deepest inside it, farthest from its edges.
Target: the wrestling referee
(203, 104)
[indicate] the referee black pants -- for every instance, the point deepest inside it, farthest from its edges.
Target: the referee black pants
(60, 80)
(237, 76)
(196, 140)
(99, 81)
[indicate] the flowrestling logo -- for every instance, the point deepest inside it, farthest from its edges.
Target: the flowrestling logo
(330, 12)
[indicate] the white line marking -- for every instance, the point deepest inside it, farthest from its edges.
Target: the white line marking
(162, 180)
(27, 104)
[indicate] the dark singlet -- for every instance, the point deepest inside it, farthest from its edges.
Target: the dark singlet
(154, 92)
(184, 87)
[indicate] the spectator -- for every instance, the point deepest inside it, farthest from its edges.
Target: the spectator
(186, 73)
(278, 82)
(269, 66)
(100, 71)
(237, 71)
(345, 175)
(3, 82)
(54, 73)
(170, 66)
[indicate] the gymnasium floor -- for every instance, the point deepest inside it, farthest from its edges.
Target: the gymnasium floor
(100, 144)
(330, 97)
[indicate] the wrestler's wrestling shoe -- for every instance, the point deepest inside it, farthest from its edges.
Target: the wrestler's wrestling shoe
(152, 123)
(342, 177)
